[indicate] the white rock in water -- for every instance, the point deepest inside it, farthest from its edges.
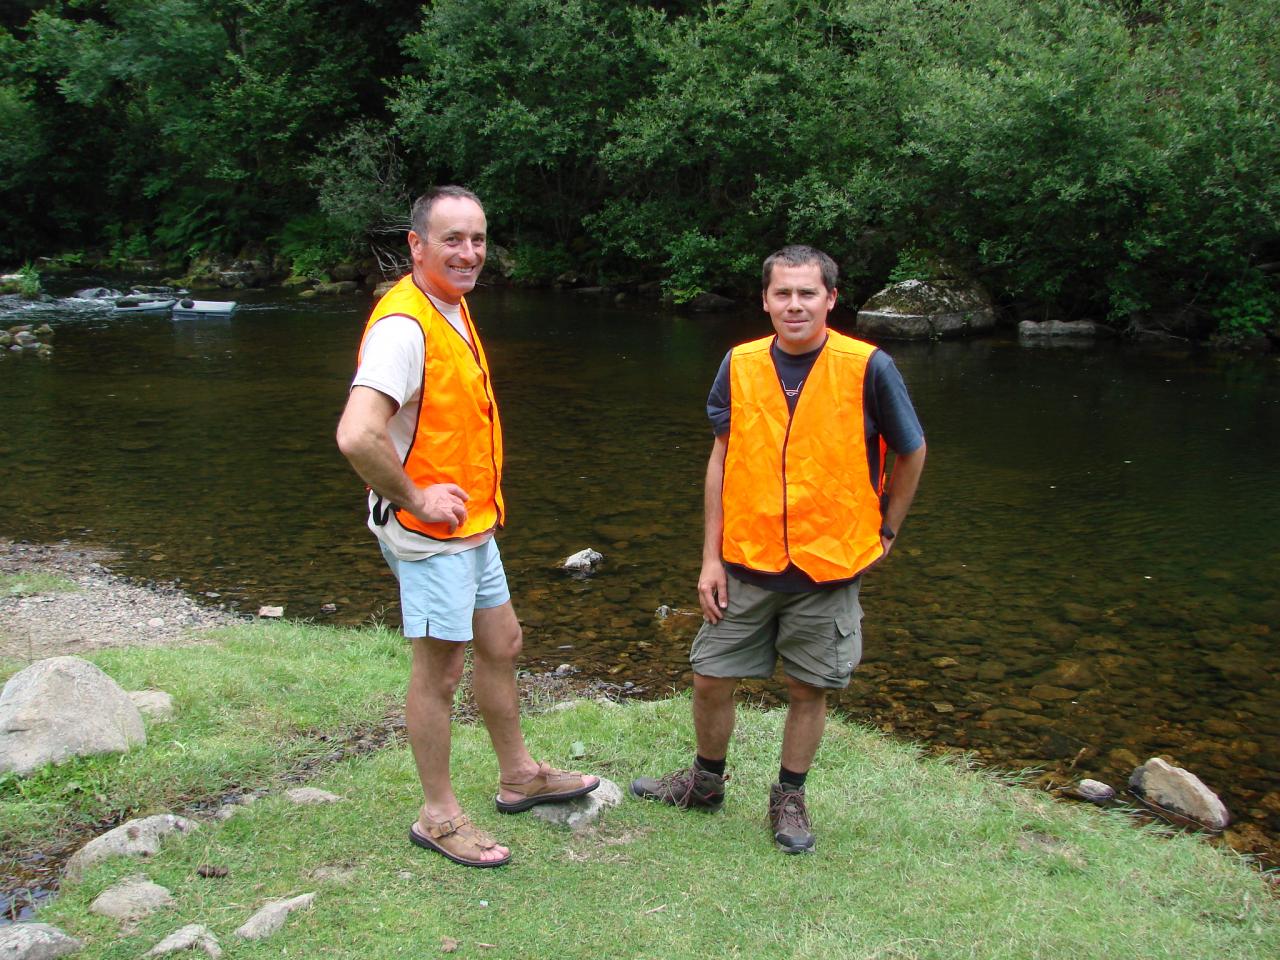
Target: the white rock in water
(273, 613)
(272, 917)
(60, 708)
(136, 838)
(131, 899)
(584, 561)
(581, 812)
(1181, 791)
(35, 941)
(191, 937)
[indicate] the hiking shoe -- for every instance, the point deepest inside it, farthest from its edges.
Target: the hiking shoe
(690, 787)
(789, 819)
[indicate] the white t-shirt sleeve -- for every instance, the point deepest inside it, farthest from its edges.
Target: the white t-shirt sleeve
(392, 359)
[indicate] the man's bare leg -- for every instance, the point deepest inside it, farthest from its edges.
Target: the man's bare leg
(433, 679)
(806, 720)
(713, 714)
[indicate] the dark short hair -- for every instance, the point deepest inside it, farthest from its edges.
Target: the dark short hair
(421, 213)
(798, 255)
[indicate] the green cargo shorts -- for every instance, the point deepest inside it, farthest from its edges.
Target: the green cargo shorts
(818, 635)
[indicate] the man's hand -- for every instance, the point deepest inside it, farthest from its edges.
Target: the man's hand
(442, 503)
(713, 590)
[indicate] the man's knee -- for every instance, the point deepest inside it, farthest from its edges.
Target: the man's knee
(500, 644)
(803, 693)
(437, 666)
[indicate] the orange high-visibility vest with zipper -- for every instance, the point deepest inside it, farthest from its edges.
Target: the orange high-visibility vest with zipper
(796, 486)
(458, 438)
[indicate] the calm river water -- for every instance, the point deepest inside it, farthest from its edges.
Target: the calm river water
(1088, 578)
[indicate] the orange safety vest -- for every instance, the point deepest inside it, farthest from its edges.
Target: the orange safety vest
(458, 437)
(796, 487)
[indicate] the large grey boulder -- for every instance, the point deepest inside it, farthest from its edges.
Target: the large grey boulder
(136, 838)
(35, 941)
(581, 812)
(271, 918)
(927, 310)
(60, 708)
(1180, 791)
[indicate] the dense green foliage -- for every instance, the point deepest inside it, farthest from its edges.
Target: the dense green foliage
(1105, 158)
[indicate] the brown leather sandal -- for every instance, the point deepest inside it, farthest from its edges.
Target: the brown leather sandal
(455, 839)
(548, 785)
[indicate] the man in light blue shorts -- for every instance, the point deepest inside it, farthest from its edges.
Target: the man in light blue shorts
(421, 428)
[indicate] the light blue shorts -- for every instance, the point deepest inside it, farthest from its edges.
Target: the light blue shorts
(439, 595)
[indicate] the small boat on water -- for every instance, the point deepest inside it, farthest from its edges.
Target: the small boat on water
(188, 309)
(144, 304)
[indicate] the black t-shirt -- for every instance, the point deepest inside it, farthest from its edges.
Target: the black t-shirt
(886, 412)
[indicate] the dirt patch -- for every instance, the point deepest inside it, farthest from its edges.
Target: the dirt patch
(103, 610)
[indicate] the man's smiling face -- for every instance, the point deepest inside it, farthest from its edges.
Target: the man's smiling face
(448, 260)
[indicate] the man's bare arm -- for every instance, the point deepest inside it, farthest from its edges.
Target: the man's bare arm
(902, 490)
(365, 442)
(713, 583)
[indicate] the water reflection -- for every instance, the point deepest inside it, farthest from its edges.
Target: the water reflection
(1087, 578)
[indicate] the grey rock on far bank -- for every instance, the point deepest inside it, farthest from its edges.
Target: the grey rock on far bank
(1061, 330)
(272, 917)
(927, 310)
(132, 899)
(35, 941)
(191, 937)
(1180, 791)
(60, 708)
(135, 838)
(581, 812)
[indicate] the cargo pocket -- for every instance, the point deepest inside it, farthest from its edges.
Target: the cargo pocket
(848, 644)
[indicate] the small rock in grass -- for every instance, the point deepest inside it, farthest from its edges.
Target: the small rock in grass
(132, 899)
(154, 704)
(271, 918)
(191, 937)
(36, 941)
(310, 796)
(136, 838)
(581, 812)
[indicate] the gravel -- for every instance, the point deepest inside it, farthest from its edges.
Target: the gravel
(104, 610)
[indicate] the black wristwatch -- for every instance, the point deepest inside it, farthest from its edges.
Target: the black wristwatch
(886, 533)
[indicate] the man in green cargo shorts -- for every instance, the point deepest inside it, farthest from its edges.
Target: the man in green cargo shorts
(798, 505)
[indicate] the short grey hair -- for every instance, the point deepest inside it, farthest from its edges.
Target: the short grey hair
(421, 213)
(799, 255)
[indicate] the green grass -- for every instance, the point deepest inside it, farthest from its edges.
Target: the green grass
(917, 857)
(31, 584)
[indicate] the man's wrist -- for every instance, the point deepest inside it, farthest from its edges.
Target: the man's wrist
(887, 532)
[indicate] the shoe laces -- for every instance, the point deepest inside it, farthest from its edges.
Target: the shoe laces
(788, 808)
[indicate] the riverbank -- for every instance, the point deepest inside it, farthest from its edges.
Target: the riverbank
(918, 857)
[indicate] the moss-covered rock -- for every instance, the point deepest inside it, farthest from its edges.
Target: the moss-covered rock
(927, 310)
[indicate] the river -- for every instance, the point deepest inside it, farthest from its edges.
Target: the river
(1088, 577)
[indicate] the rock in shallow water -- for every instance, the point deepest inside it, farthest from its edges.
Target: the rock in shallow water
(584, 561)
(1179, 791)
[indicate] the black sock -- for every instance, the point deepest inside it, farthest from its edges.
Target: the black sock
(711, 766)
(789, 778)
